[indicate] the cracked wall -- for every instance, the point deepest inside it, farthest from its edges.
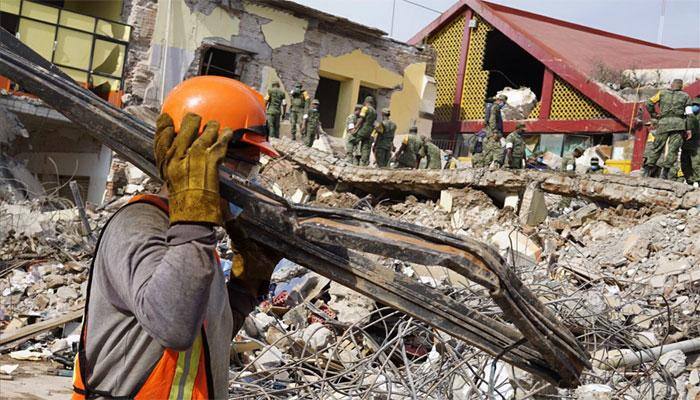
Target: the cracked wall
(294, 45)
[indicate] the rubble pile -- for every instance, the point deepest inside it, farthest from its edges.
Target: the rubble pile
(625, 281)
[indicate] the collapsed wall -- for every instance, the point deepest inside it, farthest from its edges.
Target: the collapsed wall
(612, 189)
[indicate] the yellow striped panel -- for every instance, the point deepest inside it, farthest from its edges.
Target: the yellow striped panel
(447, 43)
(475, 78)
(570, 104)
(186, 372)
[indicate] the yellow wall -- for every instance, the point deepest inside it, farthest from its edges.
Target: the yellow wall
(357, 69)
(353, 70)
(188, 29)
(405, 103)
(109, 9)
(283, 29)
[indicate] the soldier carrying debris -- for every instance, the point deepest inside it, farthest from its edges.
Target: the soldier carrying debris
(384, 139)
(431, 153)
(300, 102)
(311, 128)
(568, 163)
(159, 316)
(362, 134)
(352, 152)
(408, 154)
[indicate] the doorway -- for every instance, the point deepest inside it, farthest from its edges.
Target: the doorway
(327, 94)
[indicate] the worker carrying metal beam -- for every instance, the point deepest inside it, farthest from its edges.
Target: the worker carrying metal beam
(159, 316)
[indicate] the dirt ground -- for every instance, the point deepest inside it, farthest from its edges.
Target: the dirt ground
(34, 380)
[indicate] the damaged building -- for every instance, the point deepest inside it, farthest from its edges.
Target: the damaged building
(134, 63)
(337, 61)
(572, 85)
(85, 41)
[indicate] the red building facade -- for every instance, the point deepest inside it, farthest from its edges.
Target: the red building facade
(483, 47)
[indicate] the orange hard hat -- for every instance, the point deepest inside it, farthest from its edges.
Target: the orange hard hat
(230, 102)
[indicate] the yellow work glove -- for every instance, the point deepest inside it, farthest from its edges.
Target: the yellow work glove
(252, 264)
(189, 167)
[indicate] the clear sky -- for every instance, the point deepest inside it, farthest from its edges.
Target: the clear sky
(635, 18)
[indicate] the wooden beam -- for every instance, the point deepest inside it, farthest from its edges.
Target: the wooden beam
(30, 331)
(463, 52)
(546, 96)
(640, 142)
(590, 126)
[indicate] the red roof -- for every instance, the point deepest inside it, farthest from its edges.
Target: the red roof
(585, 47)
(572, 51)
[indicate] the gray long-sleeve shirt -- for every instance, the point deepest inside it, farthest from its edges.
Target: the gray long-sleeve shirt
(153, 285)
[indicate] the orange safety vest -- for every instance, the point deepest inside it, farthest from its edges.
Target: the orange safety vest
(177, 375)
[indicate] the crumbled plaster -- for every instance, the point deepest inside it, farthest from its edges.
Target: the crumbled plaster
(188, 27)
(282, 29)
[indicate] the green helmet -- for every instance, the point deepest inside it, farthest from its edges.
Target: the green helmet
(369, 99)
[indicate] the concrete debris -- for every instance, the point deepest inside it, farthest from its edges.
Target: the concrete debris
(350, 306)
(520, 103)
(624, 278)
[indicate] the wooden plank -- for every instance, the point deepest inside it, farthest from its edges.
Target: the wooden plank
(30, 331)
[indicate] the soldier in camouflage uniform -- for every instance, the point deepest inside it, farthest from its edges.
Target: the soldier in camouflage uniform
(649, 147)
(494, 118)
(300, 102)
(595, 167)
(408, 155)
(432, 154)
(492, 151)
(568, 162)
(690, 150)
(672, 103)
(384, 140)
(450, 161)
(515, 148)
(276, 106)
(352, 152)
(362, 134)
(311, 128)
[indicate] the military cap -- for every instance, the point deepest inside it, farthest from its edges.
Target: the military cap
(315, 102)
(502, 97)
(358, 106)
(595, 160)
(297, 85)
(677, 81)
(413, 129)
(369, 99)
(275, 84)
(520, 125)
(386, 111)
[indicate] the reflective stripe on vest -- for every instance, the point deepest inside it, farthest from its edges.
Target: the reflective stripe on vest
(178, 375)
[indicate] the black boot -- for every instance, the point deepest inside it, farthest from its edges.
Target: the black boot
(664, 173)
(651, 171)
